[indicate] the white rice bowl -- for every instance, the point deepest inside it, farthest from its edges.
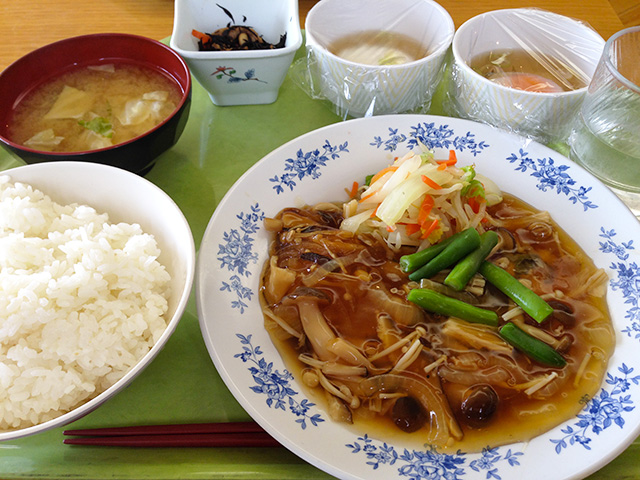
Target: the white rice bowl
(86, 300)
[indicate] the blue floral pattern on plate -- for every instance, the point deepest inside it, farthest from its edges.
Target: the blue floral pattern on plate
(628, 281)
(609, 406)
(429, 464)
(275, 385)
(236, 254)
(307, 164)
(552, 176)
(602, 411)
(431, 136)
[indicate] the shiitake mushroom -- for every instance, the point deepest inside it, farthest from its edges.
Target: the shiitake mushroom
(479, 404)
(408, 414)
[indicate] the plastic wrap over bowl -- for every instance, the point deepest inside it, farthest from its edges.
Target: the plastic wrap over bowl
(358, 89)
(559, 44)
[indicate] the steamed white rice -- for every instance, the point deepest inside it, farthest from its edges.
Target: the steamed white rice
(81, 302)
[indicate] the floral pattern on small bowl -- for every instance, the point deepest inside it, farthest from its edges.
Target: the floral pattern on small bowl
(229, 73)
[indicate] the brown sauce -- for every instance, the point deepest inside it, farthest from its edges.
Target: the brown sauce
(494, 394)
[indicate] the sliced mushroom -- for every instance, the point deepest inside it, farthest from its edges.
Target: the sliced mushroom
(562, 312)
(506, 243)
(315, 326)
(350, 354)
(315, 257)
(428, 393)
(338, 409)
(401, 311)
(278, 282)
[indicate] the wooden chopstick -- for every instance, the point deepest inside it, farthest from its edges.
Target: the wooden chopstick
(170, 429)
(229, 434)
(226, 440)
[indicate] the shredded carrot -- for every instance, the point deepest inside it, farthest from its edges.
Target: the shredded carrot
(430, 182)
(379, 175)
(412, 228)
(430, 229)
(200, 36)
(474, 203)
(375, 212)
(425, 209)
(354, 190)
(453, 159)
(367, 196)
(391, 228)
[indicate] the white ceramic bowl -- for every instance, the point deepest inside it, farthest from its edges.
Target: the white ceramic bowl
(542, 116)
(358, 89)
(238, 77)
(126, 197)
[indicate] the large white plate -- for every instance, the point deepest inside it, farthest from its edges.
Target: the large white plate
(318, 167)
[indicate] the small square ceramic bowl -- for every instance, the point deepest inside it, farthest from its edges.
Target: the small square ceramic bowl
(238, 77)
(370, 84)
(538, 106)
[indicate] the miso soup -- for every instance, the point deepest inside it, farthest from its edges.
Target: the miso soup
(93, 107)
(519, 69)
(377, 47)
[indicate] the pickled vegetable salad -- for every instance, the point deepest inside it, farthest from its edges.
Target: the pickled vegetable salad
(418, 200)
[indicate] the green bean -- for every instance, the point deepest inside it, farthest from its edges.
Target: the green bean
(413, 261)
(460, 246)
(531, 347)
(438, 303)
(469, 265)
(525, 298)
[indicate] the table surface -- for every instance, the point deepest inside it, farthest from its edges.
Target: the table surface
(197, 174)
(29, 24)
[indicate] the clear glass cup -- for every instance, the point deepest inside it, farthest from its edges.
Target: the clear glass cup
(606, 136)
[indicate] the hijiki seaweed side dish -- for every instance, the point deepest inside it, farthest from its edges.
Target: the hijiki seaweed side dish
(434, 307)
(234, 37)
